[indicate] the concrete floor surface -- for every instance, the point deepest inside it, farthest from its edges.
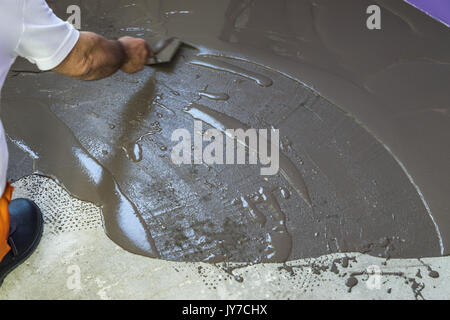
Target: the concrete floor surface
(76, 260)
(361, 150)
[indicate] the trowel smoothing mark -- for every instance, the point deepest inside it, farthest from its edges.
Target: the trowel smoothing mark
(62, 157)
(278, 240)
(134, 150)
(24, 147)
(281, 240)
(140, 105)
(256, 215)
(157, 102)
(214, 96)
(219, 65)
(222, 122)
(285, 193)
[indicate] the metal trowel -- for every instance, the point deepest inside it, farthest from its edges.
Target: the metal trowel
(165, 50)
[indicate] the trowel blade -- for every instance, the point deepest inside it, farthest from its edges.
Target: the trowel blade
(165, 50)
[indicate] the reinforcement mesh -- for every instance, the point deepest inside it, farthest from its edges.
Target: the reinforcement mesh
(61, 211)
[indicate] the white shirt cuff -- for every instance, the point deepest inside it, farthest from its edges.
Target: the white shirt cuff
(62, 52)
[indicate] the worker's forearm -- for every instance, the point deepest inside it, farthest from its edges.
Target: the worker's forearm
(107, 57)
(93, 58)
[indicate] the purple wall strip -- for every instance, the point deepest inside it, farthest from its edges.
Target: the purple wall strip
(439, 9)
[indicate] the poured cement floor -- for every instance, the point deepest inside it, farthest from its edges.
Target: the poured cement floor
(363, 155)
(75, 260)
(362, 199)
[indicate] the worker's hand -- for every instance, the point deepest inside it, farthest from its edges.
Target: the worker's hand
(137, 51)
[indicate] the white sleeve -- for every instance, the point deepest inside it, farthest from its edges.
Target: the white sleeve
(46, 40)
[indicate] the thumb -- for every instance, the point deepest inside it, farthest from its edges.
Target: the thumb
(150, 53)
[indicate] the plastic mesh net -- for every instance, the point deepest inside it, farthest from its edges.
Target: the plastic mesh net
(61, 211)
